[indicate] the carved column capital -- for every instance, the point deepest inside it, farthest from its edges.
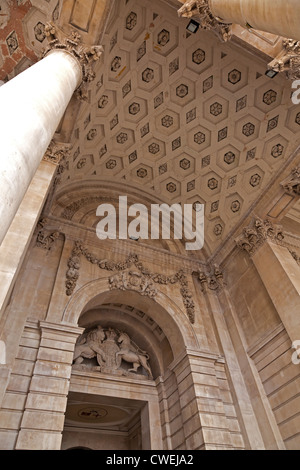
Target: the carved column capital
(255, 235)
(291, 185)
(288, 60)
(200, 9)
(212, 280)
(72, 44)
(56, 153)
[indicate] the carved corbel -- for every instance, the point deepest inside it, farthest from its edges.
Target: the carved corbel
(85, 55)
(288, 60)
(291, 185)
(200, 10)
(255, 235)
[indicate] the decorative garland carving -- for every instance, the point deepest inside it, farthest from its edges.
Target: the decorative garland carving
(201, 11)
(72, 44)
(254, 236)
(288, 60)
(292, 184)
(141, 281)
(212, 280)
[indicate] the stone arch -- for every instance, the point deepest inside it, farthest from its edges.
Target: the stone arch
(163, 310)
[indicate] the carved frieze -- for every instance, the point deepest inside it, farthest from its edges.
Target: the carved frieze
(85, 55)
(254, 236)
(200, 10)
(288, 60)
(141, 280)
(112, 349)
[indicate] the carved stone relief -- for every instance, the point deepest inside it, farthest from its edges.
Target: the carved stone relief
(112, 350)
(140, 280)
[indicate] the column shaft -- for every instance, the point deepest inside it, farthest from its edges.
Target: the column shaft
(32, 105)
(274, 16)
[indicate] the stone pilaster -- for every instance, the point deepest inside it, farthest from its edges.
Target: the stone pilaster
(278, 268)
(204, 419)
(201, 11)
(43, 418)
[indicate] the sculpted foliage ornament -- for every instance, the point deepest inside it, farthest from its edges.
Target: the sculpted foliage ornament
(201, 11)
(140, 280)
(254, 236)
(85, 55)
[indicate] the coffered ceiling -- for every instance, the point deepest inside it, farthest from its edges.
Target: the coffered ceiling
(175, 117)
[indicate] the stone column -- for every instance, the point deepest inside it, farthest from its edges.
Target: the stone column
(44, 415)
(32, 105)
(274, 16)
(278, 271)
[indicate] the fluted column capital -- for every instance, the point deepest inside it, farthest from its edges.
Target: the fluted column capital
(85, 55)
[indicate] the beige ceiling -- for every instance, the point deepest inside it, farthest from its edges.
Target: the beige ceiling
(174, 117)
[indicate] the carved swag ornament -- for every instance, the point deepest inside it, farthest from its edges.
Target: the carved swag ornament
(85, 55)
(201, 11)
(111, 348)
(140, 280)
(254, 236)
